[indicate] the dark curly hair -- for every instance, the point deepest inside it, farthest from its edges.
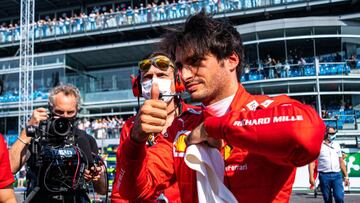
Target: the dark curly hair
(201, 34)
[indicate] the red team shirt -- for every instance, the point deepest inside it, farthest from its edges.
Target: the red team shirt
(6, 177)
(171, 192)
(266, 139)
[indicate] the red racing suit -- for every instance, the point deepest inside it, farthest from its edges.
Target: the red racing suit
(266, 139)
(171, 192)
(6, 177)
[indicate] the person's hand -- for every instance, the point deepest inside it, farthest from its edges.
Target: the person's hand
(38, 115)
(312, 181)
(199, 135)
(94, 173)
(346, 181)
(151, 117)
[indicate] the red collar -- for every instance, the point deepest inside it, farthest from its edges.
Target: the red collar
(241, 98)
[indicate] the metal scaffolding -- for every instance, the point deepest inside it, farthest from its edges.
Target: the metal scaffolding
(26, 61)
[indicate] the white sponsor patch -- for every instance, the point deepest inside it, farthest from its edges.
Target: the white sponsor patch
(252, 105)
(267, 103)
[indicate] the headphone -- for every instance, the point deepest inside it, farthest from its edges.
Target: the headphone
(136, 83)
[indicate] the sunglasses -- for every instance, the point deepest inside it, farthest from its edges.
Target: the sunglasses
(331, 133)
(161, 62)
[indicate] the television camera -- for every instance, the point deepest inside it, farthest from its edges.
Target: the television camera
(56, 154)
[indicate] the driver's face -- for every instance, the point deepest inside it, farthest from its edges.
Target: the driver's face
(65, 105)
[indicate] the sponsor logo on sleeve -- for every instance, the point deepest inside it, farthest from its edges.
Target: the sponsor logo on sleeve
(267, 120)
(121, 175)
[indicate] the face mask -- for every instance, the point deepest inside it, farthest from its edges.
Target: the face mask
(164, 88)
(332, 137)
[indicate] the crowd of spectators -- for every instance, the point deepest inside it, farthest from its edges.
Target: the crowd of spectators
(12, 95)
(270, 68)
(102, 17)
(341, 115)
(102, 128)
(331, 110)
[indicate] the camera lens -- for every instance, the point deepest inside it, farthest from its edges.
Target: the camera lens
(62, 126)
(30, 131)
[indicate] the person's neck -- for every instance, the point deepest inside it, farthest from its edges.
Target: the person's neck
(229, 91)
(219, 108)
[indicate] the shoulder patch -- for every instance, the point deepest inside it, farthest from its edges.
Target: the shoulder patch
(252, 105)
(267, 103)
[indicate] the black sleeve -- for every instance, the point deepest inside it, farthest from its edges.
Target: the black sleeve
(87, 144)
(93, 145)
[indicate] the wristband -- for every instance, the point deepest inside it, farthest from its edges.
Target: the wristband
(346, 177)
(21, 140)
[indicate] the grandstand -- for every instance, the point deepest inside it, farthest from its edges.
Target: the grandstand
(307, 49)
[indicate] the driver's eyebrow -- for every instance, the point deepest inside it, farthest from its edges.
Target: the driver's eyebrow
(191, 60)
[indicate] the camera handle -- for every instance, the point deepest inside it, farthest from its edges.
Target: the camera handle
(36, 188)
(32, 194)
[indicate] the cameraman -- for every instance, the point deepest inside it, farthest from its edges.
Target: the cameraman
(64, 101)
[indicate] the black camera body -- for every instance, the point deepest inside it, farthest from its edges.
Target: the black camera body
(55, 130)
(59, 162)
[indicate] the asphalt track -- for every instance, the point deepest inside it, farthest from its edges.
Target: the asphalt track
(296, 197)
(303, 197)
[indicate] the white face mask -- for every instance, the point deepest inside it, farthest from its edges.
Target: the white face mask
(164, 88)
(332, 137)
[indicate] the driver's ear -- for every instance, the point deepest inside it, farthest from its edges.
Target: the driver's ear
(232, 61)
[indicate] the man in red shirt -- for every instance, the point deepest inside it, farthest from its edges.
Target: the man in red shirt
(157, 67)
(262, 139)
(6, 178)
